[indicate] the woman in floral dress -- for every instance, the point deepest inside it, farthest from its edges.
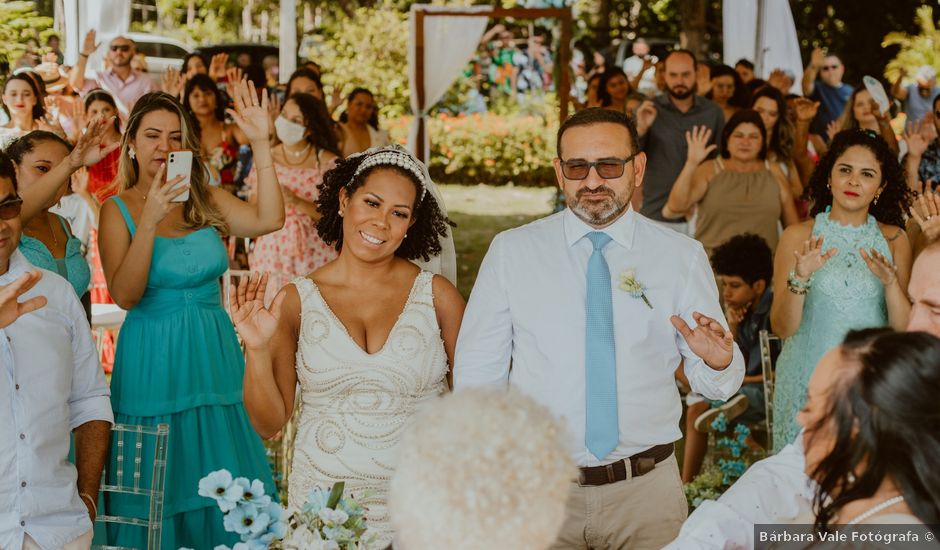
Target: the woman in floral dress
(308, 149)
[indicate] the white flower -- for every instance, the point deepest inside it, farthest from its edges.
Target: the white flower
(220, 486)
(630, 284)
(333, 517)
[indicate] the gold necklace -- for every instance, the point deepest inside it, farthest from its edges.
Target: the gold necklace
(287, 154)
(141, 192)
(32, 232)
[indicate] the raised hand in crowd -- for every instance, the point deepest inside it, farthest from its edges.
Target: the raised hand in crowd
(336, 98)
(926, 212)
(11, 308)
(811, 257)
(833, 128)
(274, 108)
(217, 66)
(89, 149)
(250, 114)
(233, 75)
(778, 79)
(916, 138)
(703, 79)
(709, 340)
(645, 117)
(255, 323)
(172, 82)
(89, 45)
(698, 146)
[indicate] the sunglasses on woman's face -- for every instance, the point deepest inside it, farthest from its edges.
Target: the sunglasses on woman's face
(10, 208)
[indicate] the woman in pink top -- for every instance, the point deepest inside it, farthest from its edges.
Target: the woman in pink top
(308, 149)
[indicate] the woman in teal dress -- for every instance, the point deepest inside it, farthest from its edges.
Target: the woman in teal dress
(47, 241)
(846, 268)
(178, 360)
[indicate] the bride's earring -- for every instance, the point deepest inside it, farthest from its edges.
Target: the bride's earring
(131, 153)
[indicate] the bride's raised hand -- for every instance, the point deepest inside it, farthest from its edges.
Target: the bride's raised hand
(255, 323)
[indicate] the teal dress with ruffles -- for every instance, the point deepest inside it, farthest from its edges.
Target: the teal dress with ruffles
(845, 295)
(178, 361)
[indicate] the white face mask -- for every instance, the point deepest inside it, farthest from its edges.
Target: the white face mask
(289, 132)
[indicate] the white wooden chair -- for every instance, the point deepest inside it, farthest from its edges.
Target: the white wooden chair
(769, 348)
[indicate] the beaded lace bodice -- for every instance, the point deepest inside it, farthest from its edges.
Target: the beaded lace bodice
(356, 404)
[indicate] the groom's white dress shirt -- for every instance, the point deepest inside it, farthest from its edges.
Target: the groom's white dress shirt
(528, 306)
(50, 383)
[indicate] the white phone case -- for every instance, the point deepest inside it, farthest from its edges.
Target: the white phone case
(180, 163)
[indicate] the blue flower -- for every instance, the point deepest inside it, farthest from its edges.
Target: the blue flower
(720, 423)
(219, 486)
(277, 527)
(316, 500)
(246, 519)
(253, 491)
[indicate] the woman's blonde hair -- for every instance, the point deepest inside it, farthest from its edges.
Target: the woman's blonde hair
(199, 211)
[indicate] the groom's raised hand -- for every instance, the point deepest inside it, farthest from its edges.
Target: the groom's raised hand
(709, 340)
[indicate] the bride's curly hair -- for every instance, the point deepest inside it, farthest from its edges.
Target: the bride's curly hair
(430, 223)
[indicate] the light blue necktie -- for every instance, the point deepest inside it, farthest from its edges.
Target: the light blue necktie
(602, 433)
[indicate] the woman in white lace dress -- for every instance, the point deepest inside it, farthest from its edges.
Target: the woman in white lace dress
(369, 336)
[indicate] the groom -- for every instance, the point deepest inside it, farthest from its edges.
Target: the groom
(592, 307)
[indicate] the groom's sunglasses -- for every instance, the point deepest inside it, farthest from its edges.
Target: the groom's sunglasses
(10, 208)
(608, 169)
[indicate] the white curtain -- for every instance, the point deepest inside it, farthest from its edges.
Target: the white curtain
(287, 58)
(449, 44)
(779, 47)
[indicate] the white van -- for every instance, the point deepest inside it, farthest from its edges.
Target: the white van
(161, 52)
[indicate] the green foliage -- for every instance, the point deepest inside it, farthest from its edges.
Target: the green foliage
(488, 148)
(916, 50)
(369, 49)
(19, 22)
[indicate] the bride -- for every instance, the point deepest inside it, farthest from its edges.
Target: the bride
(369, 336)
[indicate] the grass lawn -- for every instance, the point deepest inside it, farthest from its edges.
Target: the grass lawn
(482, 211)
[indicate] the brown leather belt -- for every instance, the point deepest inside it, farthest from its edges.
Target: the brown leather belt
(640, 463)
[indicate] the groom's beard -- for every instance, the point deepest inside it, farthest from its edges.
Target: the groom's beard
(598, 213)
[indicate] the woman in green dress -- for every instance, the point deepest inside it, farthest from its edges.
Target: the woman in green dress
(178, 360)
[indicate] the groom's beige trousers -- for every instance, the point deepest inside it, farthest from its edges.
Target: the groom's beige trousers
(641, 513)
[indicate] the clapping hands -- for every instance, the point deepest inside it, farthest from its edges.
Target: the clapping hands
(926, 212)
(811, 257)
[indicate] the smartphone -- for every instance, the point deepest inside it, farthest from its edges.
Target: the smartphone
(180, 163)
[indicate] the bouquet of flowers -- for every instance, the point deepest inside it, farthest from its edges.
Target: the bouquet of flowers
(326, 522)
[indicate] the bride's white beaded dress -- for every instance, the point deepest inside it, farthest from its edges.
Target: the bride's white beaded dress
(356, 404)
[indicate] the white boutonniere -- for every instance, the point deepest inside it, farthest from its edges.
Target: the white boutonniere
(630, 284)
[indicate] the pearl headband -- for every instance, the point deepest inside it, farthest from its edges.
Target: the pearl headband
(394, 155)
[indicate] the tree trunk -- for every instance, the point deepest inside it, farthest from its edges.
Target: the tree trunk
(191, 13)
(692, 35)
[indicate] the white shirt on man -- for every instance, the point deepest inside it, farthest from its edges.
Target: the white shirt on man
(51, 382)
(528, 307)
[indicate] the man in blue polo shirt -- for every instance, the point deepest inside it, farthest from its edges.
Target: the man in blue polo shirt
(822, 82)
